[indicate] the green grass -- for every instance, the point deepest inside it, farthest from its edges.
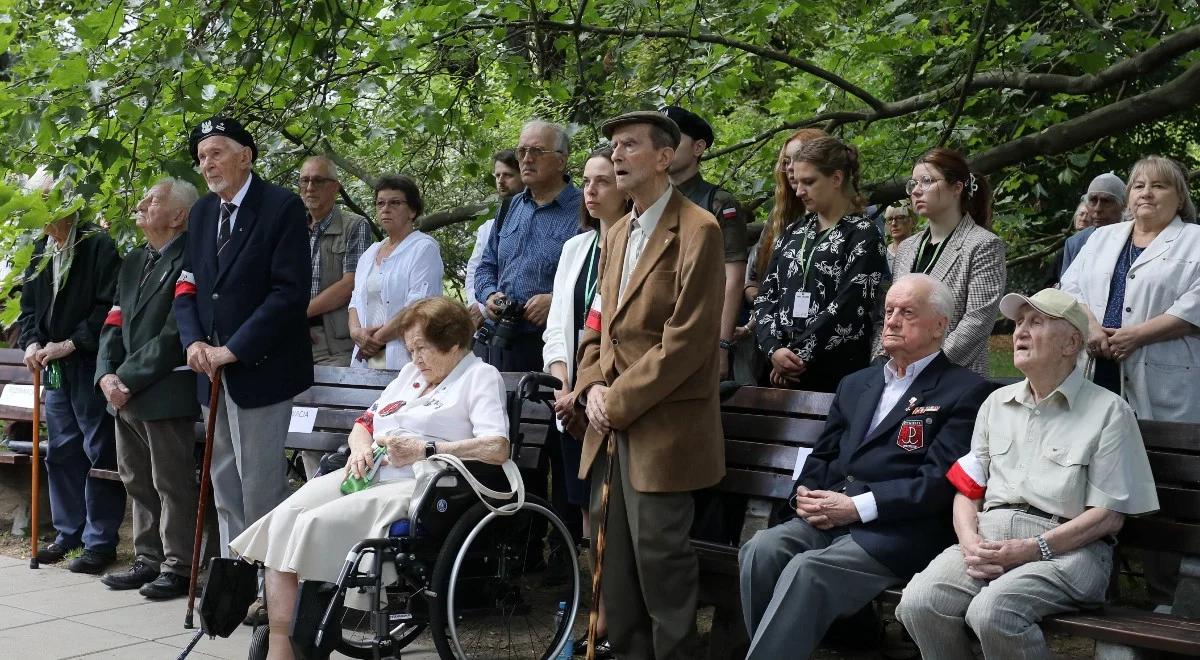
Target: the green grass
(1000, 358)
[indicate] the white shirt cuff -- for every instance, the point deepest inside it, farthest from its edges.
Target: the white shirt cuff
(867, 509)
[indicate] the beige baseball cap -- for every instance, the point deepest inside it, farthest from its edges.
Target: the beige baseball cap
(1051, 302)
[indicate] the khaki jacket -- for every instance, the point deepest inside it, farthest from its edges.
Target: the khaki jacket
(658, 350)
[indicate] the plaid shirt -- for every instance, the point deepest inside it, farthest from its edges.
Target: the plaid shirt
(358, 239)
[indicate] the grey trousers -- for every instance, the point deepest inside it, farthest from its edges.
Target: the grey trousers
(249, 472)
(941, 602)
(651, 576)
(796, 579)
(156, 462)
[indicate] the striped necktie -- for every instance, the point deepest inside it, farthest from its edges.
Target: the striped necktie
(227, 209)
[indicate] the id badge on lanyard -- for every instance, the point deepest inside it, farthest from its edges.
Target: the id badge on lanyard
(801, 304)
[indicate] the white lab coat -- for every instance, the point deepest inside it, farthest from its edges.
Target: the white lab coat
(1161, 380)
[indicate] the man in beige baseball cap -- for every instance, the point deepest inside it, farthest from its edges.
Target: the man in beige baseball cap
(1056, 464)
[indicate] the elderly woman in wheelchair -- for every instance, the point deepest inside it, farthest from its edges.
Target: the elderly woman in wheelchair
(447, 402)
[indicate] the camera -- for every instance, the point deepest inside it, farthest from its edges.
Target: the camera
(509, 314)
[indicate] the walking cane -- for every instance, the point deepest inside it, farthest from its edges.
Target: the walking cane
(209, 428)
(35, 470)
(600, 529)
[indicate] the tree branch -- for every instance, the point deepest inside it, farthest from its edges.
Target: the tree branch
(962, 98)
(428, 223)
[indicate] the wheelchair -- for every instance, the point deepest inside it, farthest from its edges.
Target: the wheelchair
(485, 585)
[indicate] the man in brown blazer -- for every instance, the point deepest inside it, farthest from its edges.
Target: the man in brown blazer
(648, 375)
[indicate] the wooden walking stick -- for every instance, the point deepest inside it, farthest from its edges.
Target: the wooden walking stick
(210, 427)
(35, 469)
(600, 528)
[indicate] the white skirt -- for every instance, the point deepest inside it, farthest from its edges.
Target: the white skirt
(311, 532)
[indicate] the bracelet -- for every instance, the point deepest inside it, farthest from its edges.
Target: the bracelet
(1044, 547)
(725, 345)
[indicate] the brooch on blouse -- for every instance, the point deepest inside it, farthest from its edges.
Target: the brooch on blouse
(391, 408)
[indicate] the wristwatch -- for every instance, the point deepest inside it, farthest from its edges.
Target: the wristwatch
(430, 448)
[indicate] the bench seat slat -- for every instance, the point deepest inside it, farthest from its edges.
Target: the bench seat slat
(756, 483)
(1120, 625)
(766, 399)
(758, 455)
(772, 429)
(1170, 435)
(1174, 468)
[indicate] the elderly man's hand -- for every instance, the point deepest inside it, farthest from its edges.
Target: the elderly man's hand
(1097, 343)
(994, 558)
(218, 356)
(597, 411)
(1122, 342)
(55, 350)
(197, 357)
(114, 390)
(31, 357)
(976, 567)
(825, 509)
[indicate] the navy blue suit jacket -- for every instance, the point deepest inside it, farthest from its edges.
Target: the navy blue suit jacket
(255, 300)
(909, 482)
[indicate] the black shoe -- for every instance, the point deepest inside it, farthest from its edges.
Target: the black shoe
(603, 648)
(166, 585)
(92, 562)
(136, 576)
(256, 615)
(52, 554)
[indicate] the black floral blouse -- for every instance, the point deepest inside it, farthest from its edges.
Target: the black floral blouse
(848, 264)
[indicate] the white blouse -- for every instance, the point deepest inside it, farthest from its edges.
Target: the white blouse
(411, 272)
(468, 403)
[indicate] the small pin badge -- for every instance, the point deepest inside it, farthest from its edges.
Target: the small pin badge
(911, 402)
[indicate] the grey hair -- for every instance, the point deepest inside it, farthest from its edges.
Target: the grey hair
(1173, 173)
(562, 141)
(940, 295)
(181, 193)
(331, 169)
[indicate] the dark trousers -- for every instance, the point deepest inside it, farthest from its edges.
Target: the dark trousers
(86, 511)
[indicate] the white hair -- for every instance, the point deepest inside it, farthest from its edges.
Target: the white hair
(940, 297)
(330, 167)
(181, 193)
(562, 141)
(43, 180)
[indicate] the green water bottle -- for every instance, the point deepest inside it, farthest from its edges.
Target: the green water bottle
(352, 484)
(52, 376)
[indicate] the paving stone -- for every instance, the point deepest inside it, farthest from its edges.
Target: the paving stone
(142, 651)
(73, 599)
(51, 640)
(21, 579)
(11, 617)
(149, 620)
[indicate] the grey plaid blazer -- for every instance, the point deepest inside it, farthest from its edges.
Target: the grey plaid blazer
(972, 265)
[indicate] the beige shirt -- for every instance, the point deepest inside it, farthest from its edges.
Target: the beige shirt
(1077, 448)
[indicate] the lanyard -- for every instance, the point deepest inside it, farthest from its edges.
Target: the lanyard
(937, 253)
(590, 275)
(810, 255)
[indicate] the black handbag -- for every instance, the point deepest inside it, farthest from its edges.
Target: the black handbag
(232, 586)
(312, 601)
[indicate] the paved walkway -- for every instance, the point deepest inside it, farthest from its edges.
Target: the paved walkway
(52, 613)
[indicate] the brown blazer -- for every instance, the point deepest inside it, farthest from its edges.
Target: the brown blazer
(658, 349)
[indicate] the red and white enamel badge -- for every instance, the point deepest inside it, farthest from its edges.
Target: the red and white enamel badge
(391, 408)
(911, 436)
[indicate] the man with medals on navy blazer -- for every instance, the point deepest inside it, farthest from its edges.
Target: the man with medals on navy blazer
(872, 503)
(241, 303)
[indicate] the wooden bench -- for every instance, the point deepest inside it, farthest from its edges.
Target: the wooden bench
(765, 427)
(13, 371)
(340, 395)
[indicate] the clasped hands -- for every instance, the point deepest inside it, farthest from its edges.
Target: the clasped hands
(825, 509)
(206, 359)
(37, 356)
(988, 560)
(401, 451)
(369, 340)
(786, 366)
(1114, 343)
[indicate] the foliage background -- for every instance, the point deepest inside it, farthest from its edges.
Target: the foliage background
(1044, 95)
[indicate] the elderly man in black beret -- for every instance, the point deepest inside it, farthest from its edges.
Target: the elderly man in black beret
(241, 303)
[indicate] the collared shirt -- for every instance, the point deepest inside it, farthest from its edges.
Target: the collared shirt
(521, 258)
(894, 387)
(640, 228)
(1079, 447)
(358, 239)
(237, 200)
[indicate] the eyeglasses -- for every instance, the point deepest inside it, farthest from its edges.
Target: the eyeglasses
(381, 204)
(897, 219)
(924, 183)
(536, 152)
(310, 181)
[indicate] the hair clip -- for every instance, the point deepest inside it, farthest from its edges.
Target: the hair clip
(972, 184)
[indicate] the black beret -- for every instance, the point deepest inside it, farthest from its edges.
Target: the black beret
(227, 126)
(690, 123)
(642, 117)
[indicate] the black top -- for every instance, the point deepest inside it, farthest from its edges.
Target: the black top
(588, 276)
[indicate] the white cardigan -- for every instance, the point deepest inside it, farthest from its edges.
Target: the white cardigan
(411, 272)
(1159, 379)
(559, 336)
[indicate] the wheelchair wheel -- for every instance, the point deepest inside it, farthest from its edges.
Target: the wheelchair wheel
(501, 592)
